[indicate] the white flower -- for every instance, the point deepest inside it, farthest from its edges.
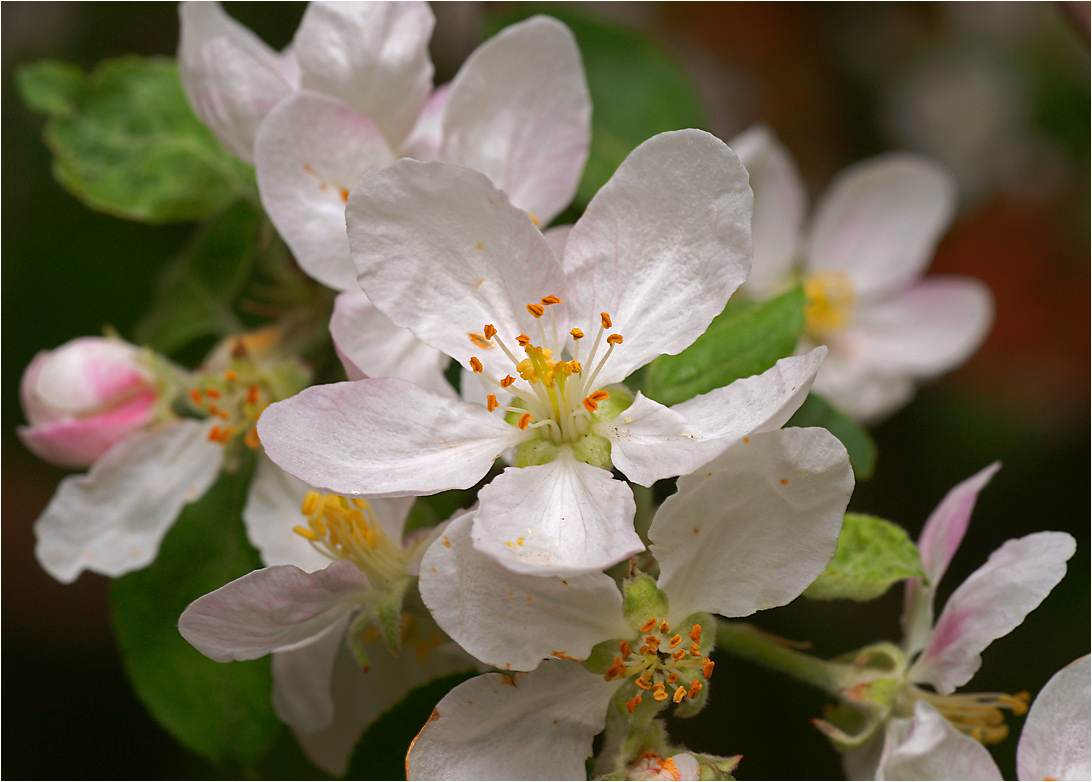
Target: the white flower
(748, 531)
(441, 252)
(871, 236)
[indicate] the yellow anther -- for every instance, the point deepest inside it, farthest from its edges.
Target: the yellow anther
(576, 334)
(679, 694)
(614, 339)
(675, 641)
(695, 688)
(1019, 703)
(527, 371)
(647, 626)
(506, 381)
(490, 331)
(830, 299)
(632, 703)
(536, 310)
(695, 634)
(574, 367)
(523, 340)
(491, 402)
(300, 530)
(310, 503)
(551, 299)
(475, 364)
(524, 420)
(604, 318)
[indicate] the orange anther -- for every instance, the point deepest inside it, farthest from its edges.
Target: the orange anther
(695, 650)
(660, 694)
(642, 683)
(491, 402)
(695, 688)
(507, 381)
(695, 634)
(614, 339)
(604, 318)
(647, 626)
(230, 376)
(646, 649)
(600, 396)
(212, 393)
(616, 671)
(195, 395)
(536, 310)
(633, 702)
(551, 299)
(252, 441)
(253, 395)
(475, 364)
(576, 334)
(623, 649)
(574, 366)
(675, 641)
(344, 194)
(652, 641)
(678, 654)
(679, 694)
(524, 420)
(665, 628)
(590, 405)
(490, 331)
(672, 677)
(523, 340)
(707, 668)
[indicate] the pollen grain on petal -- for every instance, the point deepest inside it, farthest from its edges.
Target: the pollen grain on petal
(480, 340)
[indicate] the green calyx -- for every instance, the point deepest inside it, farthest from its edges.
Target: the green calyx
(642, 600)
(589, 448)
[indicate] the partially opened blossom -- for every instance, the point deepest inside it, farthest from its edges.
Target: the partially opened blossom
(442, 252)
(944, 655)
(334, 609)
(748, 531)
(861, 258)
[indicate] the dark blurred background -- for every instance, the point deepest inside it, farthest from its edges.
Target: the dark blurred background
(998, 92)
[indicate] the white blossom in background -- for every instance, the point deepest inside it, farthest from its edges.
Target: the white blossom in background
(861, 259)
(748, 531)
(441, 252)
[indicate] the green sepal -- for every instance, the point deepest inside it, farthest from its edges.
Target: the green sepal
(817, 411)
(641, 600)
(601, 657)
(746, 339)
(872, 555)
(358, 630)
(708, 624)
(388, 616)
(874, 678)
(714, 766)
(49, 86)
(535, 451)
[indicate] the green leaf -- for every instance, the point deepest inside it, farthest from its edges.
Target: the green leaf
(381, 751)
(221, 711)
(196, 291)
(637, 89)
(746, 339)
(872, 555)
(126, 142)
(817, 411)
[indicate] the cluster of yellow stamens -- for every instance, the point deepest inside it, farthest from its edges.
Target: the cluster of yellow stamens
(977, 714)
(558, 396)
(235, 405)
(830, 299)
(343, 528)
(665, 665)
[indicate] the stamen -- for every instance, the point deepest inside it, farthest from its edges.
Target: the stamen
(675, 641)
(659, 693)
(506, 381)
(475, 364)
(253, 395)
(652, 641)
(524, 421)
(679, 694)
(695, 634)
(576, 334)
(614, 339)
(695, 650)
(695, 688)
(707, 668)
(195, 395)
(633, 702)
(536, 310)
(551, 299)
(623, 649)
(678, 654)
(523, 340)
(604, 318)
(642, 683)
(672, 677)
(665, 628)
(213, 393)
(490, 331)
(491, 402)
(647, 626)
(230, 376)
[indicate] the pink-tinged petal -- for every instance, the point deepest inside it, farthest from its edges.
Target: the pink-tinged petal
(201, 22)
(1055, 741)
(383, 438)
(752, 529)
(939, 540)
(79, 442)
(373, 56)
(424, 140)
(650, 441)
(536, 725)
(370, 345)
(302, 677)
(864, 763)
(271, 609)
(112, 519)
(520, 113)
(510, 620)
(850, 383)
(440, 251)
(662, 246)
(781, 203)
(880, 221)
(272, 510)
(558, 519)
(991, 603)
(309, 153)
(929, 747)
(931, 328)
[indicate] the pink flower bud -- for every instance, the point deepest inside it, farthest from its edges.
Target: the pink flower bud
(84, 397)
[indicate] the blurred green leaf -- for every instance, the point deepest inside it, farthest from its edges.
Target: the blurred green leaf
(637, 88)
(872, 555)
(381, 751)
(126, 142)
(746, 339)
(817, 411)
(221, 711)
(195, 293)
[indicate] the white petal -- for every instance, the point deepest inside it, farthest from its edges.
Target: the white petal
(880, 221)
(309, 153)
(752, 529)
(442, 252)
(781, 203)
(650, 441)
(360, 696)
(424, 140)
(991, 603)
(1055, 743)
(383, 438)
(272, 510)
(662, 246)
(301, 680)
(520, 113)
(938, 542)
(271, 609)
(931, 328)
(864, 762)
(852, 385)
(510, 620)
(557, 519)
(536, 725)
(556, 237)
(928, 747)
(373, 56)
(112, 519)
(370, 345)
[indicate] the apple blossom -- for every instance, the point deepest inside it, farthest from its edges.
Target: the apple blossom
(443, 253)
(871, 236)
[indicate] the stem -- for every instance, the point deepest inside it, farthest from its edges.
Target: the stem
(747, 641)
